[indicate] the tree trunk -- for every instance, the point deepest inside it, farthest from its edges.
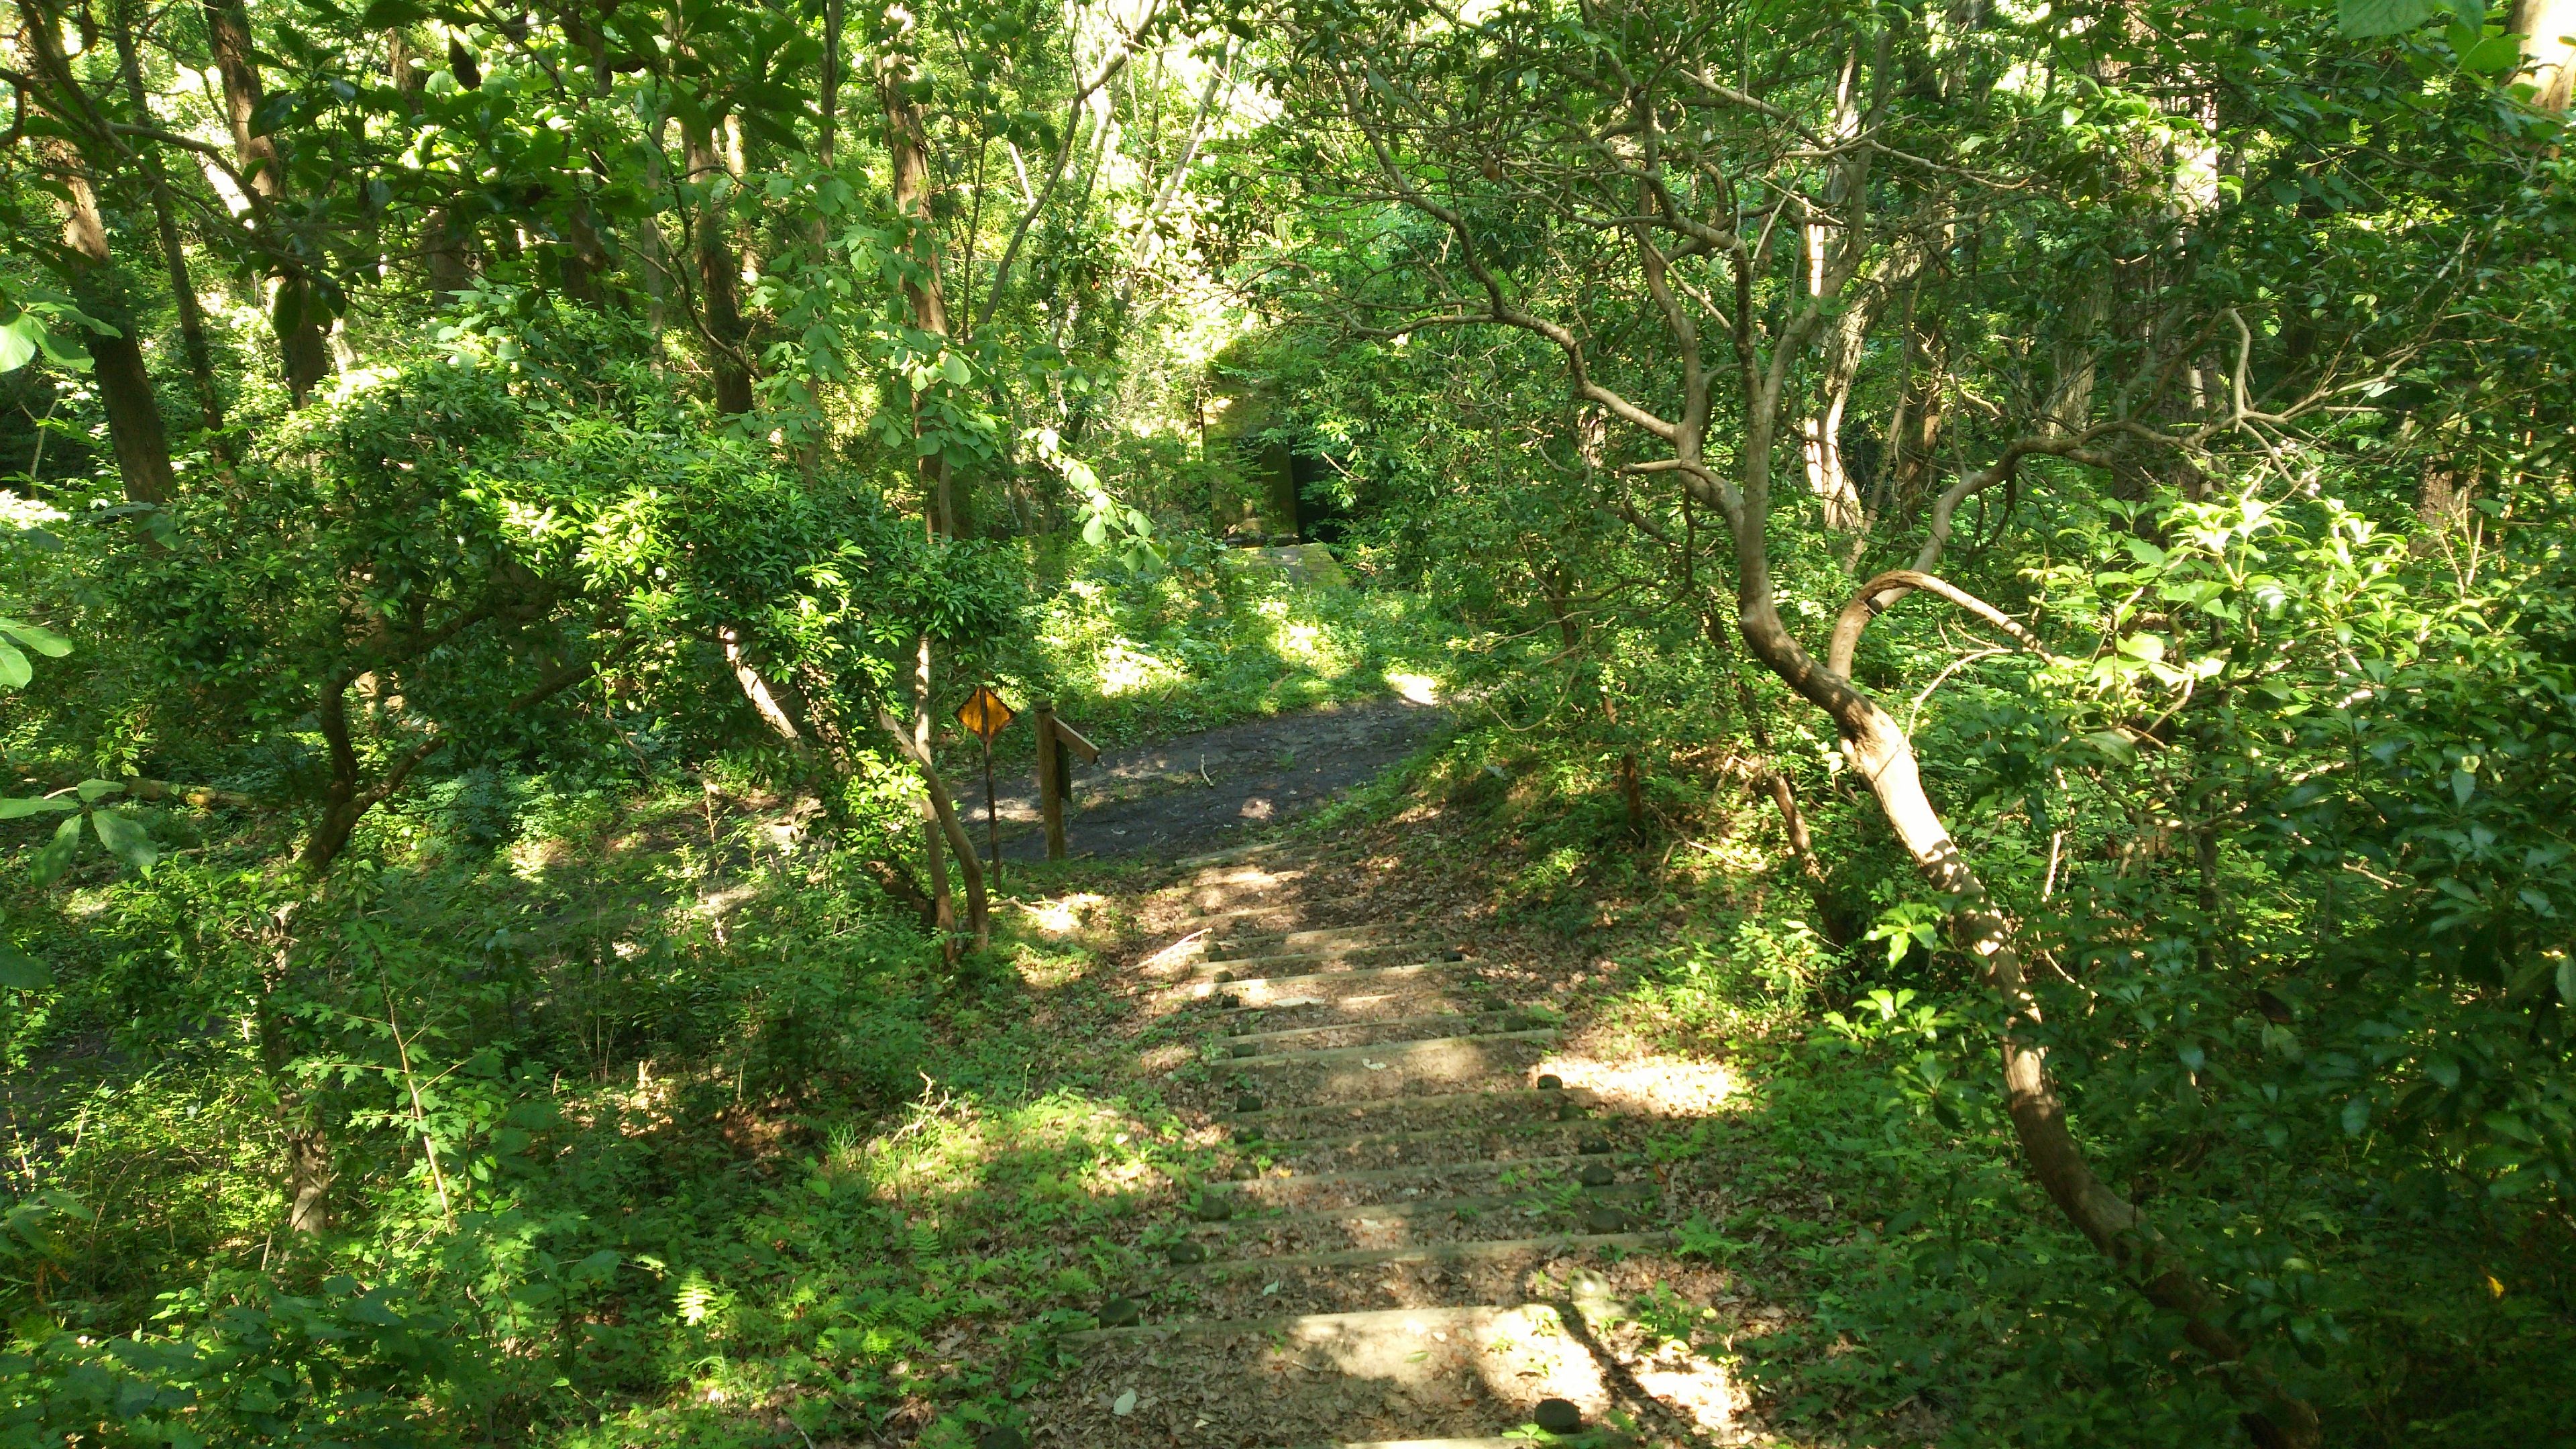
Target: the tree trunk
(134, 427)
(1882, 755)
(124, 385)
(1821, 431)
(2548, 31)
(908, 150)
(719, 277)
(174, 257)
(293, 309)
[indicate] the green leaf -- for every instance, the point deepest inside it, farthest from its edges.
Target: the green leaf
(22, 972)
(955, 367)
(2370, 19)
(2567, 981)
(93, 791)
(2356, 1116)
(42, 640)
(126, 840)
(18, 341)
(2463, 785)
(14, 669)
(22, 807)
(56, 857)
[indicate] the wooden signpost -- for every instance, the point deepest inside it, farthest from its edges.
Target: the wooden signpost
(985, 715)
(1054, 781)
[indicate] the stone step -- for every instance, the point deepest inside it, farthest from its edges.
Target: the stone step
(1552, 1245)
(1222, 944)
(1369, 1377)
(1429, 1207)
(1365, 1030)
(1256, 991)
(1500, 1099)
(1432, 1050)
(1216, 919)
(1357, 953)
(1487, 1443)
(1466, 1136)
(1368, 1186)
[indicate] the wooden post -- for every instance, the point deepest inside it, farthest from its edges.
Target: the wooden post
(1050, 791)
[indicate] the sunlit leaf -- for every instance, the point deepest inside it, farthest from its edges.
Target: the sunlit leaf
(56, 857)
(126, 840)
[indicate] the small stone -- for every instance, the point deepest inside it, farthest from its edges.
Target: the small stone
(1213, 1207)
(1569, 1111)
(1557, 1416)
(1243, 1172)
(1593, 1146)
(1225, 978)
(1453, 955)
(1186, 1254)
(1230, 1002)
(1551, 1082)
(1119, 1313)
(1238, 1026)
(1247, 1049)
(1247, 1103)
(1246, 1136)
(1603, 1219)
(1001, 1439)
(1599, 1174)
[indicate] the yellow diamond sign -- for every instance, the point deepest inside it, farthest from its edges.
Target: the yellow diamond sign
(984, 713)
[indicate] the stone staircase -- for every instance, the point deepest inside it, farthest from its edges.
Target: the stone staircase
(1414, 1231)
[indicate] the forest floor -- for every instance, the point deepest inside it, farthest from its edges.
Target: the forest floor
(1429, 1175)
(1175, 797)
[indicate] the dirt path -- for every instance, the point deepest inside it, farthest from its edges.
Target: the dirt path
(1192, 794)
(1430, 1214)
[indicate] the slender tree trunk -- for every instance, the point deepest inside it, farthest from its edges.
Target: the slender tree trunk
(719, 277)
(134, 426)
(174, 257)
(294, 311)
(908, 149)
(124, 385)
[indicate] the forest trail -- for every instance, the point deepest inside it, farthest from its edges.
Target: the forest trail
(1193, 792)
(1415, 1234)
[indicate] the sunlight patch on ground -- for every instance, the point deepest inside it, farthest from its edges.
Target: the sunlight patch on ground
(1414, 688)
(1170, 1057)
(1062, 918)
(1653, 1086)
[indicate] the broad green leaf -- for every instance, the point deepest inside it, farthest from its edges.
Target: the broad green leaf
(56, 857)
(955, 367)
(31, 636)
(22, 807)
(2370, 19)
(93, 791)
(14, 669)
(2567, 981)
(126, 840)
(20, 971)
(2356, 1116)
(18, 341)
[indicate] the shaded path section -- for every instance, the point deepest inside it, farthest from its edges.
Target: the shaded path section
(1194, 793)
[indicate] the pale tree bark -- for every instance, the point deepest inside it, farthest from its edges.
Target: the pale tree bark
(2548, 32)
